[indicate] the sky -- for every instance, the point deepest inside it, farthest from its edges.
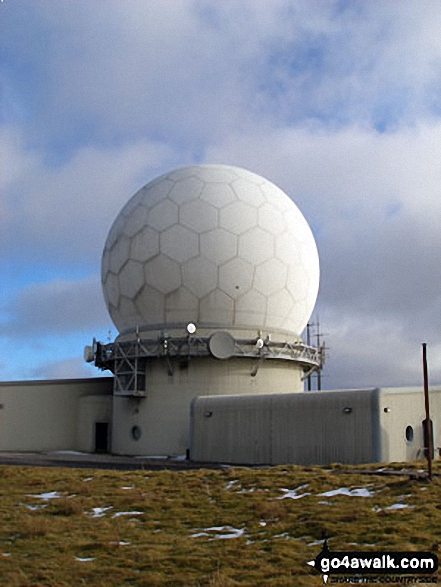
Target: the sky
(337, 102)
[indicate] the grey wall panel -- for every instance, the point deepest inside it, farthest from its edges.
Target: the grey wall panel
(358, 426)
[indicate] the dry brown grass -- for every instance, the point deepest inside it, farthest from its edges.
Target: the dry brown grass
(166, 540)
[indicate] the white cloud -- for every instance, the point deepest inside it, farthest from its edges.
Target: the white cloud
(66, 369)
(62, 213)
(374, 200)
(104, 96)
(367, 351)
(59, 306)
(194, 72)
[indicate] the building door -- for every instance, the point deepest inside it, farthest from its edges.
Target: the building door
(101, 437)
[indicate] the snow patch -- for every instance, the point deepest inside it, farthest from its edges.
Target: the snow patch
(293, 493)
(316, 542)
(99, 512)
(35, 508)
(352, 492)
(231, 484)
(119, 514)
(47, 496)
(219, 532)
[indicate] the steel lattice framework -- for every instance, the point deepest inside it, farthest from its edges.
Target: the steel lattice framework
(127, 359)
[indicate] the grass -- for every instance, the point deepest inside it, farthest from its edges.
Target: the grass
(168, 528)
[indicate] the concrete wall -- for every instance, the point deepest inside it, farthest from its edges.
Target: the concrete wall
(163, 416)
(352, 427)
(403, 407)
(93, 409)
(52, 415)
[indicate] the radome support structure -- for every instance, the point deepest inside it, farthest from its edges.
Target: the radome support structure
(210, 274)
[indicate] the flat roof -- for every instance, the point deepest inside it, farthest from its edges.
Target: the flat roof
(53, 381)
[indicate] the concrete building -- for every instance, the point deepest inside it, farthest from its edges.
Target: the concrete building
(354, 426)
(210, 274)
(60, 414)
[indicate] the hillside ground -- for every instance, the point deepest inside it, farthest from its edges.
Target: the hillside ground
(231, 527)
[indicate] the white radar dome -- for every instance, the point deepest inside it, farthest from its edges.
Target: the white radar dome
(213, 245)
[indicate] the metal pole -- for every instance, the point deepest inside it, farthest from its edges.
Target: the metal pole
(308, 342)
(319, 372)
(428, 423)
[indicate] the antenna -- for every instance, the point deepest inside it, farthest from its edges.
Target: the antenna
(321, 349)
(308, 342)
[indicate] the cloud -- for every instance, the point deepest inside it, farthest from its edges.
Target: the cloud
(367, 351)
(72, 368)
(59, 306)
(337, 102)
(192, 72)
(374, 201)
(62, 213)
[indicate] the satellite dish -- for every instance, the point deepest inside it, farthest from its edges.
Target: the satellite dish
(89, 355)
(222, 345)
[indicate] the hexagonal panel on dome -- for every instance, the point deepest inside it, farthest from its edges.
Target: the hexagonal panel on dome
(150, 304)
(249, 176)
(112, 289)
(218, 194)
(136, 221)
(249, 194)
(235, 277)
(256, 245)
(181, 306)
(183, 172)
(119, 254)
(199, 275)
(156, 191)
(270, 219)
(288, 248)
(179, 243)
(131, 278)
(238, 217)
(309, 257)
(215, 242)
(298, 317)
(163, 215)
(136, 200)
(198, 215)
(127, 314)
(115, 231)
(276, 197)
(216, 173)
(217, 308)
(280, 304)
(218, 245)
(163, 274)
(270, 276)
(298, 282)
(186, 190)
(297, 224)
(144, 245)
(251, 309)
(105, 262)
